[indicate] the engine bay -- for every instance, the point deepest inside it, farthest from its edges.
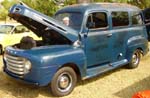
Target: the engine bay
(49, 37)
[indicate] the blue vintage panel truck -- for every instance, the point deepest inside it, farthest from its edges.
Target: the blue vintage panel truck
(79, 42)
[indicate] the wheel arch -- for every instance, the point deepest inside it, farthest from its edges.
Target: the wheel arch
(134, 43)
(140, 50)
(74, 67)
(139, 46)
(130, 52)
(135, 59)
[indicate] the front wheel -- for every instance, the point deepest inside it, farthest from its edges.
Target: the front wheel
(135, 59)
(63, 81)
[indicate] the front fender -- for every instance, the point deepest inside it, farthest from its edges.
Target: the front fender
(47, 60)
(74, 55)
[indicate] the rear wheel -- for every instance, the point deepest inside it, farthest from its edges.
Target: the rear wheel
(135, 60)
(63, 81)
(1, 49)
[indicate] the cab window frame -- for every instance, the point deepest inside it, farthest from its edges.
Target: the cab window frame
(100, 28)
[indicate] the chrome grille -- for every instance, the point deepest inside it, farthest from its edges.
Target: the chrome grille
(15, 64)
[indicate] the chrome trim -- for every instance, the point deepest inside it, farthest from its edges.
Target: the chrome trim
(14, 68)
(17, 10)
(15, 64)
(13, 61)
(19, 73)
(13, 57)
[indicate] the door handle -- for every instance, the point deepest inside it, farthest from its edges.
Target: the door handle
(85, 35)
(109, 35)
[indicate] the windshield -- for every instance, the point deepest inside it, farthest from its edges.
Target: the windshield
(5, 28)
(71, 19)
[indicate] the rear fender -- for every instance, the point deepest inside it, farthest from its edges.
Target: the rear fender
(136, 42)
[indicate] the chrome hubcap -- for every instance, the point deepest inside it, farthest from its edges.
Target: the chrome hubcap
(64, 82)
(135, 59)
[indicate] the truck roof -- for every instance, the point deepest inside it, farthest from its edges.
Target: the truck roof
(100, 6)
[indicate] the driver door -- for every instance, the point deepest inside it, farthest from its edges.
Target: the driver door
(98, 41)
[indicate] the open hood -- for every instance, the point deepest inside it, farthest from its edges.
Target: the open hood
(39, 23)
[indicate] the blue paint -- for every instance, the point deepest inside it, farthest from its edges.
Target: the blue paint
(100, 50)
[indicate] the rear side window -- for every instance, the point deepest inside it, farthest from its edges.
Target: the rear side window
(97, 20)
(136, 19)
(120, 19)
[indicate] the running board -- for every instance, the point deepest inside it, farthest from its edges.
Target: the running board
(91, 72)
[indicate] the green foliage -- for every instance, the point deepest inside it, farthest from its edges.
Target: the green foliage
(6, 4)
(45, 6)
(48, 7)
(140, 3)
(4, 13)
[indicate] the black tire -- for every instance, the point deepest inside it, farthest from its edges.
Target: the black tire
(135, 59)
(1, 50)
(63, 82)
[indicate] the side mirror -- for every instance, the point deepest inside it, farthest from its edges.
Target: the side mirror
(77, 43)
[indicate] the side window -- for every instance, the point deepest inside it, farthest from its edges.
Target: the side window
(120, 19)
(136, 19)
(97, 20)
(21, 29)
(71, 19)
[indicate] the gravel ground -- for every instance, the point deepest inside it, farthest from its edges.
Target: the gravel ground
(119, 83)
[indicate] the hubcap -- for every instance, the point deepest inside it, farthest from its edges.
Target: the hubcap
(135, 59)
(64, 82)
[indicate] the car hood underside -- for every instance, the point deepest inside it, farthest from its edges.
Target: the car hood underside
(40, 23)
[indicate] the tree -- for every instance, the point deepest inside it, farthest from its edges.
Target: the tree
(140, 3)
(49, 7)
(6, 4)
(4, 12)
(45, 6)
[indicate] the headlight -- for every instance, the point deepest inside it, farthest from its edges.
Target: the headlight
(27, 66)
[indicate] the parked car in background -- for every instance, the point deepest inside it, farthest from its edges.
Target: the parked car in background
(93, 39)
(12, 33)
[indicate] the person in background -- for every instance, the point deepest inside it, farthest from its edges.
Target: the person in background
(66, 21)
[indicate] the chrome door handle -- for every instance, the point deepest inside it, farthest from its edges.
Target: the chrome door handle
(109, 35)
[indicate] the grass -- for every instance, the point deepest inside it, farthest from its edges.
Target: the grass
(119, 83)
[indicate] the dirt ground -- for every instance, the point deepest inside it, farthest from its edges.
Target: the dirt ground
(119, 83)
